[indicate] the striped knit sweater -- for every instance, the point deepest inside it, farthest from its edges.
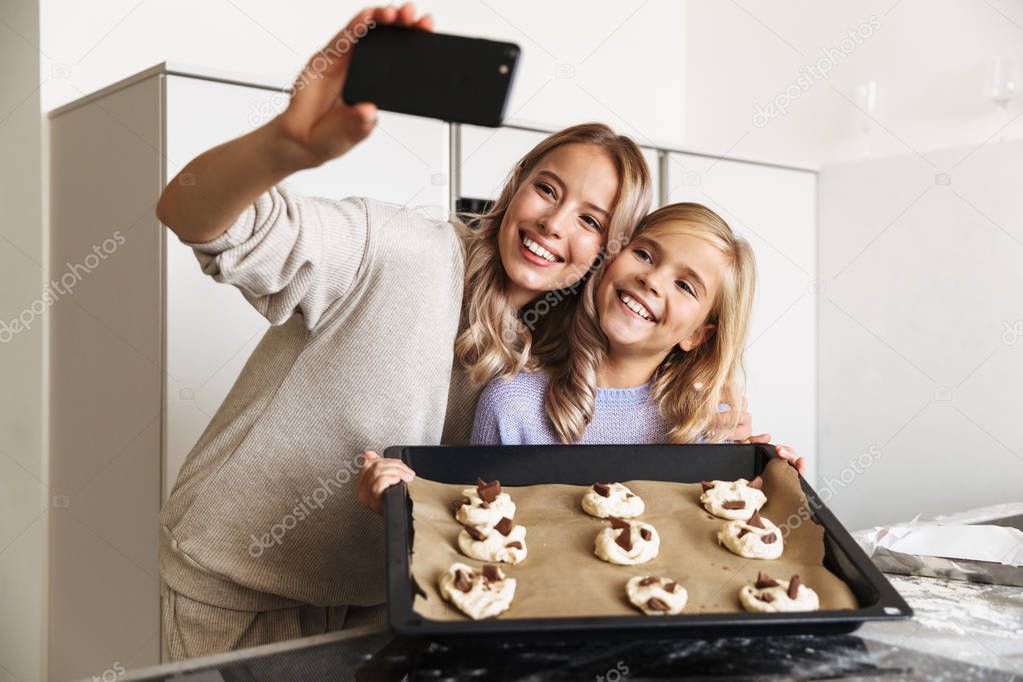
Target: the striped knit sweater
(364, 299)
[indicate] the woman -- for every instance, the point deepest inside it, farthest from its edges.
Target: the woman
(263, 537)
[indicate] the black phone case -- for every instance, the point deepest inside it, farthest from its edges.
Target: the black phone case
(447, 77)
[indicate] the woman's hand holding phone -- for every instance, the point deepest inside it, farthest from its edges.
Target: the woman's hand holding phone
(318, 126)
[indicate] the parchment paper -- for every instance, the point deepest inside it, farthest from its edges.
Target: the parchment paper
(562, 577)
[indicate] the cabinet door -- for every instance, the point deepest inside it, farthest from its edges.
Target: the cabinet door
(211, 329)
(775, 210)
(488, 156)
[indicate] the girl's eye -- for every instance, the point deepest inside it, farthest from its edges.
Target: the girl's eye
(682, 284)
(592, 222)
(642, 255)
(545, 188)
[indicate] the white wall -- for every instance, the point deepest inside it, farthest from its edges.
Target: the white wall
(921, 333)
(23, 472)
(617, 62)
(928, 57)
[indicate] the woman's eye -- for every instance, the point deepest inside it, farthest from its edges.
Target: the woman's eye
(591, 221)
(545, 188)
(642, 255)
(682, 284)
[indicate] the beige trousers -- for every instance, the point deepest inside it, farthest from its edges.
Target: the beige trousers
(192, 628)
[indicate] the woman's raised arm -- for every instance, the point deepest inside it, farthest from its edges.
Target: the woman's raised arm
(209, 193)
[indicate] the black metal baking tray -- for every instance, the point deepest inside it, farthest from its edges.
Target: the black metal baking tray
(584, 464)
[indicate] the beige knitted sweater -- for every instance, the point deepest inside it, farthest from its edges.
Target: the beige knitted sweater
(364, 299)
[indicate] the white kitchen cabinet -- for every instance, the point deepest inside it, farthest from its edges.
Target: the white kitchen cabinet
(775, 209)
(144, 347)
(489, 154)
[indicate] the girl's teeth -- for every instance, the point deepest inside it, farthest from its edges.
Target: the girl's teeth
(539, 250)
(635, 306)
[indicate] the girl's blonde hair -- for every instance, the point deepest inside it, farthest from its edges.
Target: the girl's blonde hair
(687, 386)
(494, 341)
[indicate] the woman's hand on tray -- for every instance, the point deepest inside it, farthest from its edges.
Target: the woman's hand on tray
(377, 475)
(743, 427)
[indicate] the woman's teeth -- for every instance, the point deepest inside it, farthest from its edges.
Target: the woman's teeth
(635, 306)
(539, 250)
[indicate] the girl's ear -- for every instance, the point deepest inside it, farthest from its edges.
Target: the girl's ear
(697, 337)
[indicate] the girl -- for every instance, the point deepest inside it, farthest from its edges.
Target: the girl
(654, 347)
(383, 321)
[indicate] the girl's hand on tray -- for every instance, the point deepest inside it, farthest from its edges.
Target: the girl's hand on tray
(792, 457)
(377, 475)
(784, 451)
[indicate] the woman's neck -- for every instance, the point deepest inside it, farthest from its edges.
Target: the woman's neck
(624, 371)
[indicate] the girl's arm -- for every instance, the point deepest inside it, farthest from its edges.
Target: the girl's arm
(502, 413)
(209, 193)
(486, 429)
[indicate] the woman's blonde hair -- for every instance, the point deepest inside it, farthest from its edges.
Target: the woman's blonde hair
(494, 342)
(687, 386)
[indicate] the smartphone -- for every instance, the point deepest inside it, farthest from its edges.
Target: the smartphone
(448, 77)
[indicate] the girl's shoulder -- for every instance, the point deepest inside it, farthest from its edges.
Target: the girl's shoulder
(524, 386)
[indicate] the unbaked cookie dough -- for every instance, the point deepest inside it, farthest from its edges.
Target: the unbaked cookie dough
(505, 542)
(656, 596)
(477, 594)
(485, 505)
(627, 543)
(733, 499)
(768, 595)
(612, 499)
(757, 538)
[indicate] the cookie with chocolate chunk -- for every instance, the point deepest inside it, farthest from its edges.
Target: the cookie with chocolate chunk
(477, 594)
(612, 499)
(656, 596)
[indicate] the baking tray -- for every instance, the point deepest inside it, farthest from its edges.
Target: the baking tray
(584, 464)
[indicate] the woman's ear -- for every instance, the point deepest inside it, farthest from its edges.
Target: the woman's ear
(697, 337)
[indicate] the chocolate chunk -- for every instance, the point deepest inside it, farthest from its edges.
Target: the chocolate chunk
(756, 521)
(757, 483)
(484, 504)
(764, 580)
(769, 538)
(462, 581)
(624, 539)
(516, 544)
(766, 597)
(629, 496)
(488, 492)
(793, 587)
(504, 526)
(492, 573)
(617, 522)
(734, 504)
(474, 532)
(645, 533)
(649, 580)
(656, 604)
(742, 531)
(707, 485)
(603, 489)
(671, 587)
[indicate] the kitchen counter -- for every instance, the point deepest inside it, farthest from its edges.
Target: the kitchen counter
(960, 631)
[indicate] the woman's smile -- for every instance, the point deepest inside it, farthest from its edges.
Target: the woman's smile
(536, 251)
